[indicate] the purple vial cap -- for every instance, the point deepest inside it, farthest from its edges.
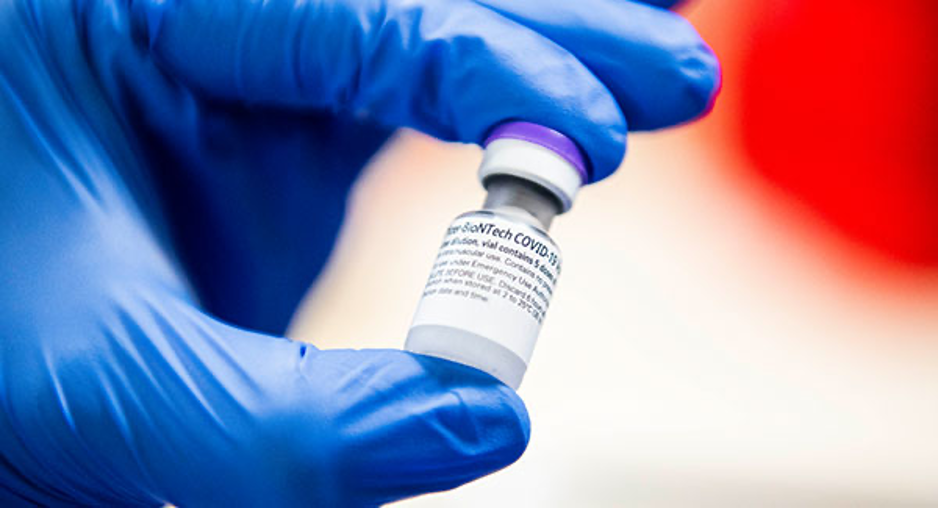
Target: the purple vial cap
(546, 137)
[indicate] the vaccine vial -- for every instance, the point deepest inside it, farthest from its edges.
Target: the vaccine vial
(497, 268)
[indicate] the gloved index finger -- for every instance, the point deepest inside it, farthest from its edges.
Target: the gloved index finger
(652, 60)
(453, 70)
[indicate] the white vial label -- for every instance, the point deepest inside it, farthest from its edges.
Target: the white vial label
(493, 278)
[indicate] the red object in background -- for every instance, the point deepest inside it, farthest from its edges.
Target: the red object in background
(839, 107)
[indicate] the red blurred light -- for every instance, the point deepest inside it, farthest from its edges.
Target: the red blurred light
(839, 107)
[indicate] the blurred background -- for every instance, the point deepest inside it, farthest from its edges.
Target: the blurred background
(748, 311)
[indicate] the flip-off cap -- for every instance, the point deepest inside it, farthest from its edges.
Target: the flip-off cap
(537, 154)
(546, 137)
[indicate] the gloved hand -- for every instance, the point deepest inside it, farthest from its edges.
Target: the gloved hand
(173, 172)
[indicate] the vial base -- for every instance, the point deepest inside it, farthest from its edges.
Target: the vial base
(468, 348)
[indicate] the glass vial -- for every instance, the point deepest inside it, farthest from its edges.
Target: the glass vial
(497, 268)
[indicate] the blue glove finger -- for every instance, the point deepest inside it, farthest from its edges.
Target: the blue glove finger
(451, 69)
(420, 424)
(158, 403)
(652, 60)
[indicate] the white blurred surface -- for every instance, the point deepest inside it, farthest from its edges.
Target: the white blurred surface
(709, 342)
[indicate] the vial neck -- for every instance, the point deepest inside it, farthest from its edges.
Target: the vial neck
(520, 198)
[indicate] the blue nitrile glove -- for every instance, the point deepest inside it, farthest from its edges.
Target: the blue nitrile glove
(173, 172)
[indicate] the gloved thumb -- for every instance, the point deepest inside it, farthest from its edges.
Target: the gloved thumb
(173, 406)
